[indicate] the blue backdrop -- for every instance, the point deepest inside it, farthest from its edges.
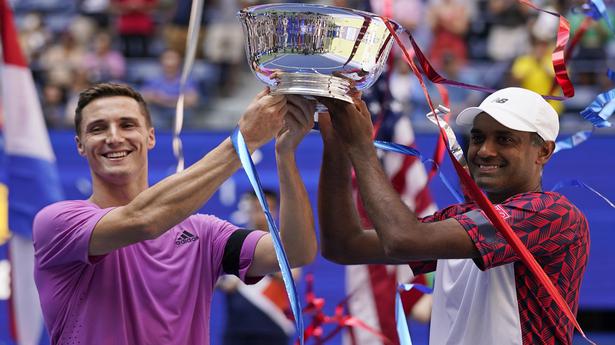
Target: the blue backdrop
(595, 169)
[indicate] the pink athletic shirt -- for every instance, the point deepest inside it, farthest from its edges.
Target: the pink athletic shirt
(153, 292)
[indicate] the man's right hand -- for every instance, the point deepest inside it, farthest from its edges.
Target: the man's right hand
(351, 121)
(263, 119)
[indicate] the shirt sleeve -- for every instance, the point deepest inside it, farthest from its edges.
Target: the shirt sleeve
(543, 223)
(62, 231)
(232, 248)
(247, 256)
(239, 253)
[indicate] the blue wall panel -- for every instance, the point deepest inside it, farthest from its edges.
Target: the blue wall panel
(591, 162)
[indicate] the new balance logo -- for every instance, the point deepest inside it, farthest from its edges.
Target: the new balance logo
(499, 209)
(500, 100)
(185, 237)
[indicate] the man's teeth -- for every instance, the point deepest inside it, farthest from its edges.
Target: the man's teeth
(117, 154)
(490, 166)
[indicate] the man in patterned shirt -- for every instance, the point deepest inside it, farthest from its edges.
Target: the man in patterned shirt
(484, 294)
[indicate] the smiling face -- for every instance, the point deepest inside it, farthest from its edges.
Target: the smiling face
(505, 162)
(115, 137)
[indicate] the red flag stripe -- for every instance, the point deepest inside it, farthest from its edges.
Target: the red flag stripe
(384, 297)
(11, 50)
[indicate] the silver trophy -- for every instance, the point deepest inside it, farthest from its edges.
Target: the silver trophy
(315, 50)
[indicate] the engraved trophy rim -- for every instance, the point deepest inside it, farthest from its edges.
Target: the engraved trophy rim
(314, 49)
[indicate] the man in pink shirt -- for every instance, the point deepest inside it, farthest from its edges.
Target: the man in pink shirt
(134, 264)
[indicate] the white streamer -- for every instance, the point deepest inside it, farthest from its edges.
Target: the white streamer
(196, 12)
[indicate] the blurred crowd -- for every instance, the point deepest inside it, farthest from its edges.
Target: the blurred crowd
(72, 44)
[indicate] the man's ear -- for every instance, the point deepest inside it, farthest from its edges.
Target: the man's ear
(545, 152)
(80, 147)
(151, 138)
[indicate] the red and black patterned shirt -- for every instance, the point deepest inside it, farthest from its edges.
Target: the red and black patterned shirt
(555, 232)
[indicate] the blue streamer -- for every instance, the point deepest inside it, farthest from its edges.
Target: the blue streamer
(610, 74)
(420, 287)
(400, 316)
(601, 109)
(248, 165)
(577, 183)
(596, 9)
(399, 148)
(406, 150)
(572, 141)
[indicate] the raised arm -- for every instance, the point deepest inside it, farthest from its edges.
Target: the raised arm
(342, 238)
(402, 236)
(167, 203)
(296, 216)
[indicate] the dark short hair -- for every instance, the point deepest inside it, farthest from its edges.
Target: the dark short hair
(268, 193)
(536, 139)
(108, 90)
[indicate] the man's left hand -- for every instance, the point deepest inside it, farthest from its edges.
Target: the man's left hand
(297, 122)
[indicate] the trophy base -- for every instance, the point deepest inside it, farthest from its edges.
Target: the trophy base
(309, 84)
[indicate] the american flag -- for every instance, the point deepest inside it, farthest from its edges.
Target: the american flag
(372, 287)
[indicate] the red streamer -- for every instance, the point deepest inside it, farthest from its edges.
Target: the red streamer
(578, 35)
(558, 57)
(342, 320)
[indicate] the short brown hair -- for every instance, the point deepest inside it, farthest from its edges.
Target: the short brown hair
(108, 90)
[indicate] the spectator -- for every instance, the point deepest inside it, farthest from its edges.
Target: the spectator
(102, 63)
(455, 69)
(61, 59)
(80, 83)
(176, 31)
(34, 36)
(54, 106)
(508, 35)
(449, 21)
(589, 61)
(224, 44)
(162, 92)
(96, 10)
(135, 25)
(256, 314)
(534, 71)
(411, 14)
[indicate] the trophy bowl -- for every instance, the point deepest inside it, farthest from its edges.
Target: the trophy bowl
(315, 50)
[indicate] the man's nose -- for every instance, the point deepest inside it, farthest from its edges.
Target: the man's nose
(486, 149)
(114, 135)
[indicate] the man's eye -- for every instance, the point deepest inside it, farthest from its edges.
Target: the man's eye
(506, 140)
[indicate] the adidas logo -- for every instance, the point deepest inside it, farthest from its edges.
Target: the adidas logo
(185, 237)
